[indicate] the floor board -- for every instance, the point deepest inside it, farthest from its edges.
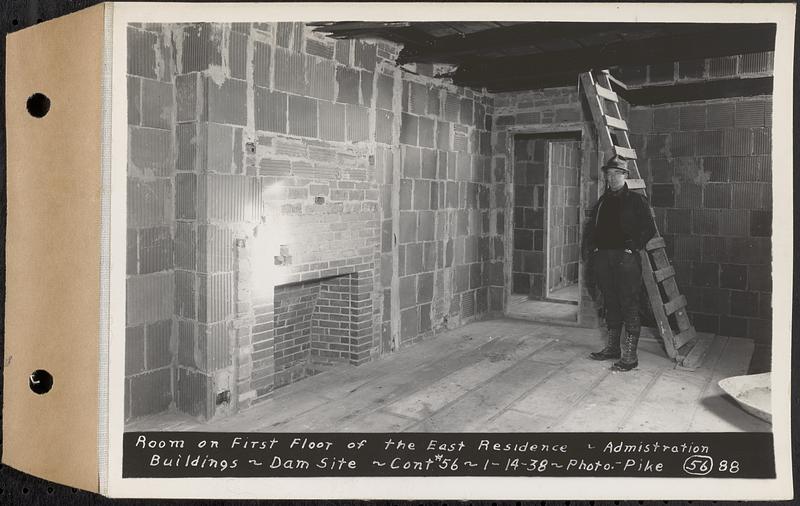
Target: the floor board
(501, 375)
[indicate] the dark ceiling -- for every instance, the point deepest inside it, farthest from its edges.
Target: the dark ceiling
(509, 56)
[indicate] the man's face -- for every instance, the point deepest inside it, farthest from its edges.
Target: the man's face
(615, 178)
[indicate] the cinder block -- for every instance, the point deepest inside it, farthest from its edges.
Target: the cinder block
(262, 59)
(237, 54)
(283, 34)
(385, 92)
(710, 143)
(434, 101)
(761, 223)
(142, 53)
(744, 303)
(678, 221)
(738, 141)
(705, 274)
(409, 127)
(185, 294)
(365, 55)
(422, 194)
(186, 97)
(185, 196)
(158, 336)
(408, 227)
(759, 278)
(427, 226)
(406, 195)
(666, 119)
(755, 63)
(155, 250)
(188, 140)
(466, 111)
(220, 148)
(722, 67)
(302, 116)
(415, 258)
(185, 246)
(149, 298)
(321, 78)
(322, 48)
(425, 318)
(705, 222)
(348, 84)
(408, 291)
(357, 123)
(750, 196)
(134, 100)
(227, 102)
(717, 195)
(195, 393)
(331, 117)
(367, 82)
(290, 73)
(270, 110)
(150, 392)
(427, 134)
(409, 323)
(411, 162)
(733, 276)
(134, 350)
(720, 115)
(383, 126)
(693, 117)
(200, 47)
(149, 202)
(342, 51)
(151, 151)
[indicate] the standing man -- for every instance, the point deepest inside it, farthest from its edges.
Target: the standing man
(620, 226)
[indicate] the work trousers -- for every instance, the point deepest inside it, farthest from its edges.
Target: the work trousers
(619, 276)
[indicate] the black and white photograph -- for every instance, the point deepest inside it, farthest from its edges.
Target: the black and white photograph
(488, 226)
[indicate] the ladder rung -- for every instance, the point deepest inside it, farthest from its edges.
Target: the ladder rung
(606, 93)
(627, 153)
(685, 336)
(675, 304)
(656, 243)
(617, 123)
(614, 80)
(666, 272)
(636, 184)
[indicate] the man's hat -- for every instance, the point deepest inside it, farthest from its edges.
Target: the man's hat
(615, 162)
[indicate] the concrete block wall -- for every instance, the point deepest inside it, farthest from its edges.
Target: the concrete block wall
(448, 243)
(697, 70)
(549, 111)
(529, 216)
(709, 173)
(564, 214)
(149, 345)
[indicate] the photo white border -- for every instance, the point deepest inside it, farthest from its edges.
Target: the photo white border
(465, 487)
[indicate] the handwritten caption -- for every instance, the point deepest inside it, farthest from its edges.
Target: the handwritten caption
(195, 454)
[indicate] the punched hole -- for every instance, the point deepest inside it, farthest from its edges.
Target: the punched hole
(40, 381)
(38, 105)
(14, 22)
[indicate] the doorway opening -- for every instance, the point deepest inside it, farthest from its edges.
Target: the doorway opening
(546, 227)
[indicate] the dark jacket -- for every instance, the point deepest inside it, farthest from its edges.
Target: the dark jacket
(635, 217)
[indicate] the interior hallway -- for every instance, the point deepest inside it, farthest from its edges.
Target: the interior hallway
(501, 375)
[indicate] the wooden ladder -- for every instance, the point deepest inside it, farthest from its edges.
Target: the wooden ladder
(682, 343)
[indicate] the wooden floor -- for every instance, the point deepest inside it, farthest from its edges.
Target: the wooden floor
(519, 306)
(502, 375)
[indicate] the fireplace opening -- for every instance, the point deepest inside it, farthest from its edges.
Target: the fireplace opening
(313, 327)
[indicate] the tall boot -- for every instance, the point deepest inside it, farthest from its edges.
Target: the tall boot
(629, 359)
(611, 351)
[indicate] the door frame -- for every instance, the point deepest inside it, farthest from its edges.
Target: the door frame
(577, 131)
